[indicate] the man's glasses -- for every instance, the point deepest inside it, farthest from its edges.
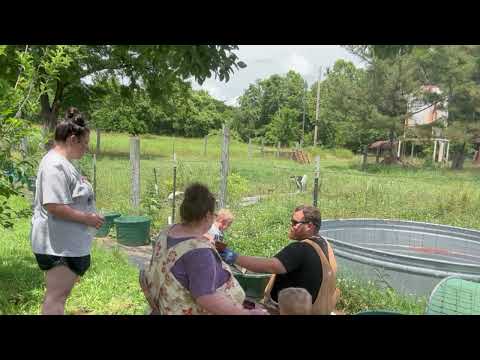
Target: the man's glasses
(295, 222)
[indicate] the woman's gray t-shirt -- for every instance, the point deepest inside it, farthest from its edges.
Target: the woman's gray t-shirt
(59, 182)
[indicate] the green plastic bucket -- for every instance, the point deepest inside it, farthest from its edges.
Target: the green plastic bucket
(107, 225)
(252, 283)
(133, 230)
(31, 183)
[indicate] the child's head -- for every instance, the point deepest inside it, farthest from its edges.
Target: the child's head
(224, 219)
(294, 301)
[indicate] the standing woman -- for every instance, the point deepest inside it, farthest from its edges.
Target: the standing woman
(64, 213)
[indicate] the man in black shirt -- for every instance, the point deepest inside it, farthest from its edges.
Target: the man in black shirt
(296, 265)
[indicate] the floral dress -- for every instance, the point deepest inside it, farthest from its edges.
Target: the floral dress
(165, 294)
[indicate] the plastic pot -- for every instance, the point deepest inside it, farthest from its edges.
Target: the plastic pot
(133, 230)
(107, 225)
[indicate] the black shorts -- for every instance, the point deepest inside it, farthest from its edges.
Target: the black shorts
(79, 265)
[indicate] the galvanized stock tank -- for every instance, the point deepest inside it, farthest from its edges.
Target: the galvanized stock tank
(412, 257)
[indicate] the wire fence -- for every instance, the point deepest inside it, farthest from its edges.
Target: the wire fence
(272, 177)
(262, 186)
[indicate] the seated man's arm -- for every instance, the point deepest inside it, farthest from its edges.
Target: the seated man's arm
(261, 265)
(287, 260)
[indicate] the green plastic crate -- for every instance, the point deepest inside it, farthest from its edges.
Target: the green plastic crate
(455, 296)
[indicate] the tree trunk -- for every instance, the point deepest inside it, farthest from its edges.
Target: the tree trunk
(49, 113)
(458, 158)
(393, 147)
(49, 116)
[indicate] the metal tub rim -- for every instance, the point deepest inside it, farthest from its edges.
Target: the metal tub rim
(404, 263)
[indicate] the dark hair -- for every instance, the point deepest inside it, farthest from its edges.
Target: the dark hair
(311, 214)
(74, 123)
(198, 201)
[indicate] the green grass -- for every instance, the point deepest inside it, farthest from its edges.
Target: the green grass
(357, 296)
(436, 195)
(110, 286)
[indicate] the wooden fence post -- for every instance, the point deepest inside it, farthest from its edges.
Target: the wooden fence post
(224, 167)
(135, 167)
(156, 181)
(97, 150)
(365, 156)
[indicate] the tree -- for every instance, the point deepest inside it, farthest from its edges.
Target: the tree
(186, 113)
(263, 100)
(60, 69)
(346, 117)
(14, 170)
(391, 81)
(456, 70)
(284, 126)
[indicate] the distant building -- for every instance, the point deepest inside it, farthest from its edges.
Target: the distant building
(433, 113)
(422, 113)
(426, 113)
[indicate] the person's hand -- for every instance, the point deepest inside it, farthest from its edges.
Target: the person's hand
(220, 246)
(94, 220)
(228, 256)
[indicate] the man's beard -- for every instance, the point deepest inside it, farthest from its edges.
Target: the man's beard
(294, 235)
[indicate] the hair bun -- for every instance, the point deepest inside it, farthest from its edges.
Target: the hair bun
(71, 112)
(79, 120)
(75, 116)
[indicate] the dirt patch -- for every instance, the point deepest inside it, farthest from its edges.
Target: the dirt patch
(138, 255)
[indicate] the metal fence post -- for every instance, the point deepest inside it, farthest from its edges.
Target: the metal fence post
(95, 176)
(174, 186)
(315, 184)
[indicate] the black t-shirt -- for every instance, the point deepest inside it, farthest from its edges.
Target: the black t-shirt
(304, 268)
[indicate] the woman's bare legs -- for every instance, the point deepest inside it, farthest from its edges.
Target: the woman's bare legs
(59, 282)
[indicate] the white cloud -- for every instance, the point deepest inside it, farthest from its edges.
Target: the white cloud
(212, 89)
(299, 63)
(233, 101)
(265, 60)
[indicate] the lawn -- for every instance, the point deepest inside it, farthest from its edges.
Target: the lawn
(436, 195)
(109, 287)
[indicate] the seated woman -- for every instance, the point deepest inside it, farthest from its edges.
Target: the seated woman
(186, 274)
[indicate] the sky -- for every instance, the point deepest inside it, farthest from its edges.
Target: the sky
(265, 60)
